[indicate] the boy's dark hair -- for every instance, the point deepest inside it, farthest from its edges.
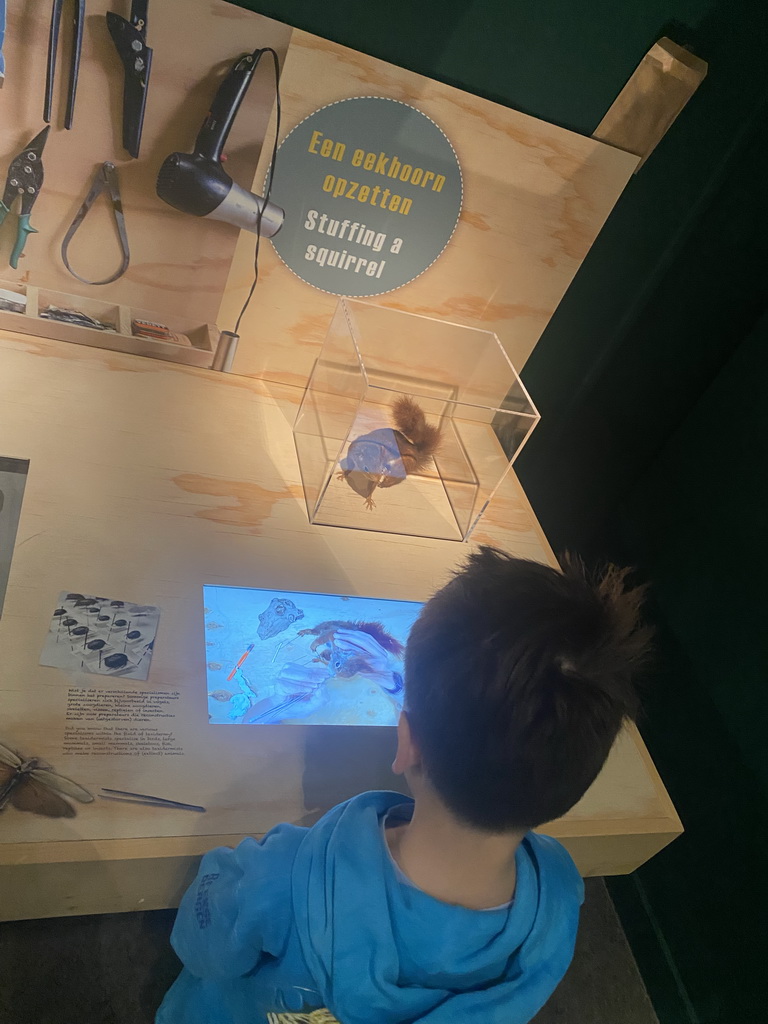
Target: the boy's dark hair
(518, 678)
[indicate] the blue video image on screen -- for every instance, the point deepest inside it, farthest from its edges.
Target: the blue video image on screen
(311, 659)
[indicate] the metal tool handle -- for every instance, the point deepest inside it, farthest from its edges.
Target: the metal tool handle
(53, 42)
(216, 127)
(74, 68)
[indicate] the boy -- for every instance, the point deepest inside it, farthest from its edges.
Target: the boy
(443, 909)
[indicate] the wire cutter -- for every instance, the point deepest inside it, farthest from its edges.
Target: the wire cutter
(130, 39)
(25, 179)
(74, 67)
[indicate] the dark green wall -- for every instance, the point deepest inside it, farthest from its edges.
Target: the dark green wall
(695, 522)
(698, 520)
(557, 60)
(652, 380)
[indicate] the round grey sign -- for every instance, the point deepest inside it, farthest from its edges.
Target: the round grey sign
(372, 191)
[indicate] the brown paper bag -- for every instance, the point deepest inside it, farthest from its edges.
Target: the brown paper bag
(646, 107)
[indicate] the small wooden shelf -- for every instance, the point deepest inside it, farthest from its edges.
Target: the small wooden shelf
(202, 338)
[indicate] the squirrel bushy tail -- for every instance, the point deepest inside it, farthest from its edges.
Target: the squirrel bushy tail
(410, 420)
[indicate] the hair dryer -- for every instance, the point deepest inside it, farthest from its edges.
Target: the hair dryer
(197, 183)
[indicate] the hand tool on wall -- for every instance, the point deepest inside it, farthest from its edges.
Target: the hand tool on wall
(25, 179)
(74, 67)
(106, 180)
(130, 39)
(197, 183)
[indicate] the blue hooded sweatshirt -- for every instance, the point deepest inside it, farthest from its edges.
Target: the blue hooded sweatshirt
(321, 918)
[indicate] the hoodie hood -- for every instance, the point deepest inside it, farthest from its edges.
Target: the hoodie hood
(384, 952)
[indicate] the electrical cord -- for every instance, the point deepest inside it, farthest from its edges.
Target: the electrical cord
(258, 54)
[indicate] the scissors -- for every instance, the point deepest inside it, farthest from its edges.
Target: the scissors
(25, 179)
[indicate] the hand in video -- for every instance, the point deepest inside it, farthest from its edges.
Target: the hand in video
(357, 642)
(297, 678)
(369, 656)
(245, 684)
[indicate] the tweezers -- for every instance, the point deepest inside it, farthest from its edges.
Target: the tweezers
(74, 67)
(105, 181)
(152, 801)
(279, 709)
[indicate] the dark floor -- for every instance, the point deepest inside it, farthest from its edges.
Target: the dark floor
(114, 970)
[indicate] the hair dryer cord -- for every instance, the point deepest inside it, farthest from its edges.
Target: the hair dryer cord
(270, 175)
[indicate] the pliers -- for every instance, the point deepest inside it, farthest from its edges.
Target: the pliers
(25, 179)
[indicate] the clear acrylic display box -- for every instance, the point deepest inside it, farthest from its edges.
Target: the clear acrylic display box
(360, 471)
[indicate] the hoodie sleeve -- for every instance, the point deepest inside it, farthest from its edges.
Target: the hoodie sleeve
(239, 906)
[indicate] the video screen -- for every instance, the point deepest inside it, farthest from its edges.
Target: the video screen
(273, 656)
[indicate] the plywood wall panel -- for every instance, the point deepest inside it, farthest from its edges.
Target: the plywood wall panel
(535, 197)
(179, 263)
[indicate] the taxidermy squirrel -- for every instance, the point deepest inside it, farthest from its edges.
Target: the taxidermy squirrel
(384, 457)
(344, 663)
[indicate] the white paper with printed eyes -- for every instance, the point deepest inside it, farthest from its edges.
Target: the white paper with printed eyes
(102, 636)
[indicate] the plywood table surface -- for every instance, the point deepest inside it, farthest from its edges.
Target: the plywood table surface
(146, 481)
